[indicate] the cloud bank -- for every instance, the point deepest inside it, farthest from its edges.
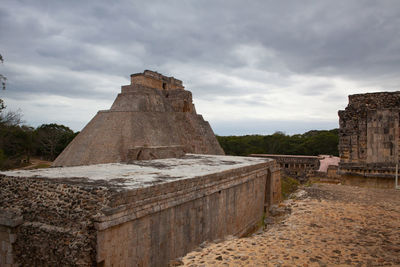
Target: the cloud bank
(254, 67)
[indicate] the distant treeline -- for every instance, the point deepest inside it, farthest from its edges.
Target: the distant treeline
(18, 142)
(310, 143)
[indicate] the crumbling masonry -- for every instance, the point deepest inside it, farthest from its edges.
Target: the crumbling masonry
(153, 117)
(369, 137)
(296, 166)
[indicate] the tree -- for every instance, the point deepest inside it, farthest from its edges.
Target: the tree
(2, 77)
(52, 139)
(9, 118)
(15, 141)
(16, 145)
(310, 143)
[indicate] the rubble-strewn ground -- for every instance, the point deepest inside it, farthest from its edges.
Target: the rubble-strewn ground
(331, 225)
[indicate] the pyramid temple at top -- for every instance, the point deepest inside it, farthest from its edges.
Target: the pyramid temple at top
(153, 117)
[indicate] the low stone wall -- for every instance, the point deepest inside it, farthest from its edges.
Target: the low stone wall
(107, 220)
(177, 217)
(372, 170)
(375, 182)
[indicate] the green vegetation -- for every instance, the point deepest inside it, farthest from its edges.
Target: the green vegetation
(18, 143)
(288, 186)
(309, 143)
(51, 139)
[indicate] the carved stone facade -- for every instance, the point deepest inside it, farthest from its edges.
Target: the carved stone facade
(369, 135)
(153, 113)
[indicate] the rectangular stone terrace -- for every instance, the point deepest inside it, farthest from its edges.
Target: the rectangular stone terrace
(140, 214)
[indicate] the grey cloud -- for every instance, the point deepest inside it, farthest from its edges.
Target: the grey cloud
(356, 40)
(252, 101)
(318, 89)
(308, 37)
(56, 85)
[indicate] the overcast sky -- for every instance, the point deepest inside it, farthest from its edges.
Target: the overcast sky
(254, 67)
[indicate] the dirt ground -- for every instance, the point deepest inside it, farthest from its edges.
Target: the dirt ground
(329, 225)
(36, 163)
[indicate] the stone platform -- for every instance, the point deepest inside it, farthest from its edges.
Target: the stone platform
(140, 214)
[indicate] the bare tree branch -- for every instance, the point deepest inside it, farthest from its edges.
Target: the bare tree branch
(2, 77)
(11, 118)
(3, 81)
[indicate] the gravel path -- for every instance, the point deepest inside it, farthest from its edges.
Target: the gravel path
(330, 225)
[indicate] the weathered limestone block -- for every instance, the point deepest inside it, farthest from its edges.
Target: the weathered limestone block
(9, 220)
(51, 219)
(154, 111)
(146, 153)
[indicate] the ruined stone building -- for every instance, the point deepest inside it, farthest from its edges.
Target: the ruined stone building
(296, 166)
(369, 137)
(302, 167)
(127, 211)
(153, 117)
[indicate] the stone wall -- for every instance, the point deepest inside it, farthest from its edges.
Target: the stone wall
(183, 215)
(85, 221)
(57, 227)
(9, 220)
(156, 80)
(369, 135)
(296, 166)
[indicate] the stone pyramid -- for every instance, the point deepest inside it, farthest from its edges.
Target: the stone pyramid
(153, 117)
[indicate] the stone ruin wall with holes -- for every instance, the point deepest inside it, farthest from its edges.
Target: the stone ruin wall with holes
(369, 137)
(295, 166)
(71, 222)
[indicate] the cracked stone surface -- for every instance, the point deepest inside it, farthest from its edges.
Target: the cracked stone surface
(330, 225)
(144, 173)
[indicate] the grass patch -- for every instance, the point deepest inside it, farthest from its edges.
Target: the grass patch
(41, 166)
(309, 183)
(262, 222)
(288, 186)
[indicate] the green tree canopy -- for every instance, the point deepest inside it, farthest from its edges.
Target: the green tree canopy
(52, 139)
(310, 143)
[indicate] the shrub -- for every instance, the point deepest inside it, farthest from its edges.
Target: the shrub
(288, 186)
